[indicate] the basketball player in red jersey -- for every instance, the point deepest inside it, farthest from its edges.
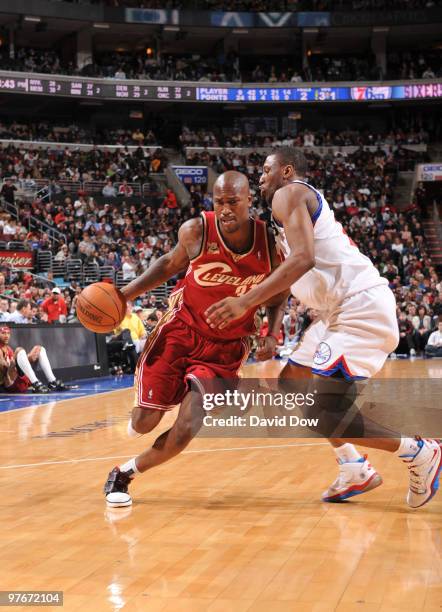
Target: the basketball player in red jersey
(226, 253)
(16, 372)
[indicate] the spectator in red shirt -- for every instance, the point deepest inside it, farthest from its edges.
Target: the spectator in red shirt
(55, 307)
(125, 190)
(60, 217)
(170, 200)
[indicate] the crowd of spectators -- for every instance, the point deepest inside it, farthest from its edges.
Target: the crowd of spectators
(122, 237)
(25, 298)
(45, 131)
(194, 67)
(24, 165)
(364, 178)
(414, 65)
(230, 67)
(28, 59)
(342, 68)
(395, 243)
(232, 137)
(124, 234)
(400, 65)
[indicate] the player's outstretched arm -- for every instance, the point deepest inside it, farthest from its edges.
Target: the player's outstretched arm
(188, 246)
(289, 206)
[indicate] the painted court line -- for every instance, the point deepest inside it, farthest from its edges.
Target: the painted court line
(204, 450)
(63, 399)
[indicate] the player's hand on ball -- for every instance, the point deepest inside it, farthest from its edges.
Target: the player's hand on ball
(225, 311)
(266, 348)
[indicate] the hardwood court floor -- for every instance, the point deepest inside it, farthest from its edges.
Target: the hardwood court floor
(229, 526)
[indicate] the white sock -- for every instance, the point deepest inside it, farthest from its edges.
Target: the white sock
(408, 448)
(130, 466)
(347, 453)
(25, 366)
(43, 362)
(131, 432)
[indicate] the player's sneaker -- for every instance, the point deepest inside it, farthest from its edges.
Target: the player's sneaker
(39, 387)
(116, 487)
(424, 471)
(59, 385)
(355, 477)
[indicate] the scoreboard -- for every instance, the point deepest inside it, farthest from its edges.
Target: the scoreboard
(112, 89)
(94, 88)
(320, 94)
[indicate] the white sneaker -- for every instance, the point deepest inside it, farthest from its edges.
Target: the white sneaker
(116, 489)
(425, 468)
(393, 356)
(412, 352)
(118, 500)
(355, 477)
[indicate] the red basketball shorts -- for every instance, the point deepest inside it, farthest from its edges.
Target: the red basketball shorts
(20, 385)
(176, 355)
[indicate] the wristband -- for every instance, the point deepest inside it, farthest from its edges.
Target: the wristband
(273, 336)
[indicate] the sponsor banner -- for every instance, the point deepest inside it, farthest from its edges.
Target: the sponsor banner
(429, 172)
(228, 19)
(314, 20)
(220, 19)
(17, 259)
(371, 93)
(240, 19)
(191, 175)
(156, 16)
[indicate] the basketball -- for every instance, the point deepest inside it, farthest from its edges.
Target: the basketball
(101, 307)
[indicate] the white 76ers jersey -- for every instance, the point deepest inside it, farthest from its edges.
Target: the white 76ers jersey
(340, 270)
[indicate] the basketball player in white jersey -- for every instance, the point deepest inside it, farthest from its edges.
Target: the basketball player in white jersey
(356, 330)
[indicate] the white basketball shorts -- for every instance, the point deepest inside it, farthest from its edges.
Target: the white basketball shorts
(354, 338)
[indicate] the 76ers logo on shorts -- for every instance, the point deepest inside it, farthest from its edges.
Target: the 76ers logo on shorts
(323, 354)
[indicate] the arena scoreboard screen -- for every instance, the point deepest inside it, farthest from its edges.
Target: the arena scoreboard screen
(319, 94)
(110, 89)
(94, 88)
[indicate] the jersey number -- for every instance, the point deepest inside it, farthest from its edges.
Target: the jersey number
(244, 288)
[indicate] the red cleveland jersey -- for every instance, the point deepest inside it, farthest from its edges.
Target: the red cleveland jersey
(21, 382)
(6, 358)
(217, 273)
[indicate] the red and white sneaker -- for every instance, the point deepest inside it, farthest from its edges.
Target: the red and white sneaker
(355, 478)
(424, 471)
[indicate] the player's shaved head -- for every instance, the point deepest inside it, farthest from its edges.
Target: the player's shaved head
(232, 200)
(232, 181)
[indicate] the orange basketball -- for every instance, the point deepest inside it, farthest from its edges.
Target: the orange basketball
(101, 307)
